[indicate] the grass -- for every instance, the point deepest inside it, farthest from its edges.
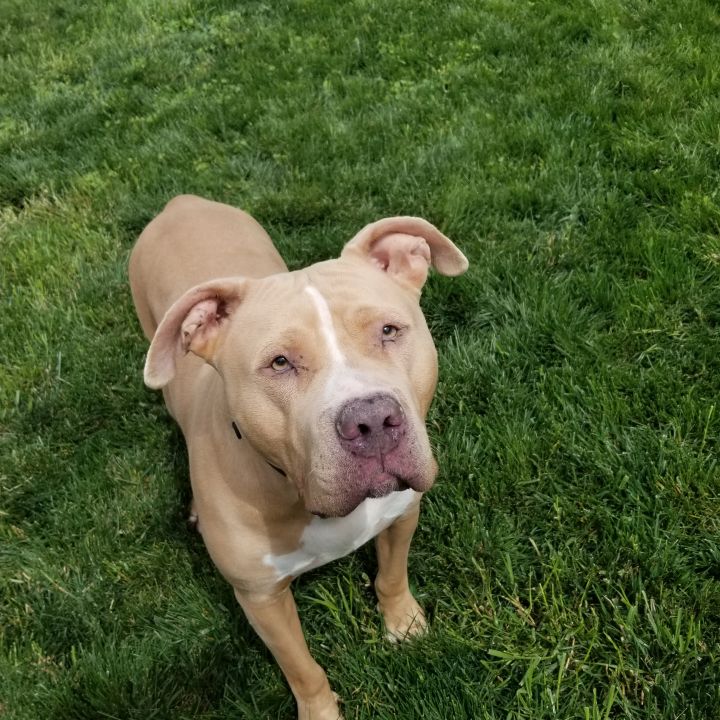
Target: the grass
(569, 556)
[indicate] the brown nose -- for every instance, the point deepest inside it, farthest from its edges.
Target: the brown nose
(371, 426)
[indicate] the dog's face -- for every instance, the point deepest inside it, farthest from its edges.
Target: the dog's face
(328, 371)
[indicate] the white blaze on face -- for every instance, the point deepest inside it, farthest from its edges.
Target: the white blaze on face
(342, 381)
(327, 328)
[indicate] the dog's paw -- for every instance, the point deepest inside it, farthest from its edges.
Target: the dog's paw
(404, 618)
(320, 708)
(193, 521)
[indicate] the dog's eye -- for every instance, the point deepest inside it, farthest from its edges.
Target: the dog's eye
(390, 332)
(280, 363)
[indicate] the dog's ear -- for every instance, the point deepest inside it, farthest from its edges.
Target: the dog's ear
(194, 323)
(405, 248)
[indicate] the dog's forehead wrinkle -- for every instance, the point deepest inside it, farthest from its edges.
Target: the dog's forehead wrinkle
(271, 316)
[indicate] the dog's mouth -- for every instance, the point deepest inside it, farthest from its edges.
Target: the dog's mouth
(397, 484)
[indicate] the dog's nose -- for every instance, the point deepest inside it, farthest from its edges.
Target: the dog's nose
(371, 426)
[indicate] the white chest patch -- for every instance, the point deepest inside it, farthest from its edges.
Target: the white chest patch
(326, 539)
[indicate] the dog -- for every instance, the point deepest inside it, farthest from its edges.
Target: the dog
(302, 397)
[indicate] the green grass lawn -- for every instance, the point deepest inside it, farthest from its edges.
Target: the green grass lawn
(569, 556)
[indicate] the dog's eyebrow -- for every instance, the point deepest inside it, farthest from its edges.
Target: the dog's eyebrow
(283, 340)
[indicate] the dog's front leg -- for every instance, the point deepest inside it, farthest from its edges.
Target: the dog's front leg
(275, 619)
(403, 616)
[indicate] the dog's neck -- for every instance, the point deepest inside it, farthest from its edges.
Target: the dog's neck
(238, 434)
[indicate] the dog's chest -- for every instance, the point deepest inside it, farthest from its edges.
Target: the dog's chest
(324, 540)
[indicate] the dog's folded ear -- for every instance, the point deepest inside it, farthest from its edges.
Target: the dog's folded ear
(194, 323)
(405, 248)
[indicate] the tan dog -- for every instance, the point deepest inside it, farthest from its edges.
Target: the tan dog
(302, 397)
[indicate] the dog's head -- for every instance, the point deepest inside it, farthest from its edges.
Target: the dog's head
(329, 371)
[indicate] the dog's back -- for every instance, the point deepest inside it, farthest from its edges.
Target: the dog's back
(165, 261)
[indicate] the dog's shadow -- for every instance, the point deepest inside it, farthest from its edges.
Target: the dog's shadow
(185, 532)
(231, 657)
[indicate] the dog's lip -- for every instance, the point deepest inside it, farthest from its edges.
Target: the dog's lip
(400, 484)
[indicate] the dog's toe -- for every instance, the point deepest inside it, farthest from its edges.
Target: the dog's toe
(404, 620)
(193, 521)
